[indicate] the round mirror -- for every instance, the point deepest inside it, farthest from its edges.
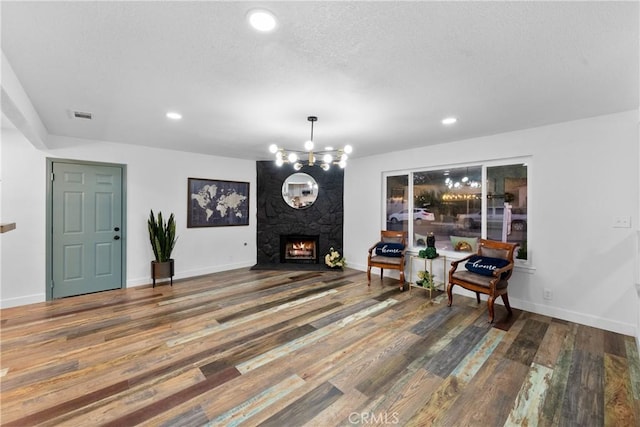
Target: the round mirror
(299, 190)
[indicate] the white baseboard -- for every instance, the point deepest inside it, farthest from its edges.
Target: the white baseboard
(36, 298)
(190, 273)
(576, 317)
(28, 299)
(546, 310)
(559, 313)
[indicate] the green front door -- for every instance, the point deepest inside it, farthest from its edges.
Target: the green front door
(87, 236)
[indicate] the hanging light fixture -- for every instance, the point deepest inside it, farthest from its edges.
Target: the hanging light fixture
(327, 157)
(465, 181)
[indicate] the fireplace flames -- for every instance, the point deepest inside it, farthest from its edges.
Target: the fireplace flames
(299, 249)
(302, 250)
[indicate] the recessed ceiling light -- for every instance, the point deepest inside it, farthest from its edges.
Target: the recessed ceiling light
(262, 20)
(449, 121)
(173, 115)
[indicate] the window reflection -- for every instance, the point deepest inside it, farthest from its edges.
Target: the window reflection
(507, 205)
(397, 203)
(449, 204)
(451, 196)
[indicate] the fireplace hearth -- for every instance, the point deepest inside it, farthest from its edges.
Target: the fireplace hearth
(299, 249)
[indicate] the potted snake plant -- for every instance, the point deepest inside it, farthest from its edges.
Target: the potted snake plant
(162, 235)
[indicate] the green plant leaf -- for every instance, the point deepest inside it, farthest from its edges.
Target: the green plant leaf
(162, 236)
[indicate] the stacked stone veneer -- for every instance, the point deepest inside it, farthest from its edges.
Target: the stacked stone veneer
(275, 217)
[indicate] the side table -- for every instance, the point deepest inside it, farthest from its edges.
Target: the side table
(428, 266)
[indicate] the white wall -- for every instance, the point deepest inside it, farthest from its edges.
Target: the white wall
(156, 179)
(583, 173)
(637, 227)
(23, 202)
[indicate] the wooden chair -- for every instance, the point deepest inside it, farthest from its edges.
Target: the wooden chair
(493, 280)
(394, 238)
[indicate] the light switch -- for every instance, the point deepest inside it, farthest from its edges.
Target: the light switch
(622, 222)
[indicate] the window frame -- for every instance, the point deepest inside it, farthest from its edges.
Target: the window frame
(524, 160)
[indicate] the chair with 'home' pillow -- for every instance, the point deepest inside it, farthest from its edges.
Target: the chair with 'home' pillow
(388, 253)
(485, 272)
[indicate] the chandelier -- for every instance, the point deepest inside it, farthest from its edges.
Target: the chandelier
(327, 157)
(464, 182)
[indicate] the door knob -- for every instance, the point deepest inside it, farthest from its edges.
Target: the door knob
(116, 237)
(116, 229)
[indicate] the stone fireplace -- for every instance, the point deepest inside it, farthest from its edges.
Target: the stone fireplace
(298, 248)
(275, 218)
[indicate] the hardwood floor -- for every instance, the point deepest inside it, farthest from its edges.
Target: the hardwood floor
(283, 348)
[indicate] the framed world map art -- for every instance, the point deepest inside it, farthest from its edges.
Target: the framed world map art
(216, 203)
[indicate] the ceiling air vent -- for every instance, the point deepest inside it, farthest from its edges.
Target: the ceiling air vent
(82, 115)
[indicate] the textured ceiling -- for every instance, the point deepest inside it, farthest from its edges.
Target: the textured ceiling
(379, 75)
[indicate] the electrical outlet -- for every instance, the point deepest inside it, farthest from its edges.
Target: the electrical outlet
(622, 221)
(548, 295)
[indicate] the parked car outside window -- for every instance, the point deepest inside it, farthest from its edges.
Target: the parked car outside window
(494, 218)
(419, 215)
